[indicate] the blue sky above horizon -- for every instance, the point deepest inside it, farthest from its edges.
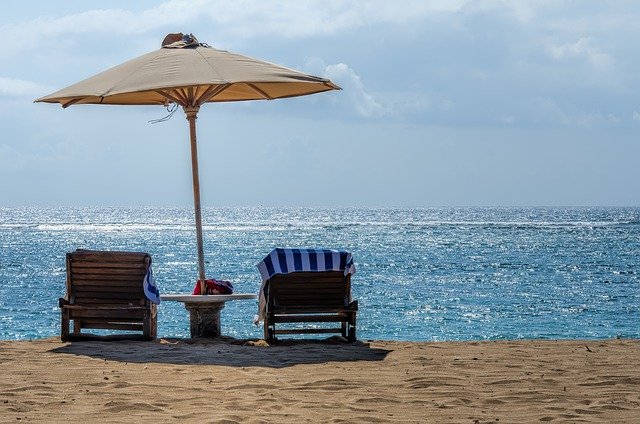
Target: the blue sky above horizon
(445, 103)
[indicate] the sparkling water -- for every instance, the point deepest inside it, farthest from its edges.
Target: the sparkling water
(422, 274)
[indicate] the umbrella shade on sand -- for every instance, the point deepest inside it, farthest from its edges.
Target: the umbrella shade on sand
(188, 73)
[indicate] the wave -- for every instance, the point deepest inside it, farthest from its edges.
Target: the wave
(313, 225)
(66, 227)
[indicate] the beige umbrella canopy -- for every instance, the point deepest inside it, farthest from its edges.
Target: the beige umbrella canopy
(189, 73)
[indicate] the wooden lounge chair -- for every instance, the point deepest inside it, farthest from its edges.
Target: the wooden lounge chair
(104, 291)
(306, 297)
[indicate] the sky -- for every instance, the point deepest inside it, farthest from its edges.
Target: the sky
(444, 103)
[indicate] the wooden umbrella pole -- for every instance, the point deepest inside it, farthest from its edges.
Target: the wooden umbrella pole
(192, 115)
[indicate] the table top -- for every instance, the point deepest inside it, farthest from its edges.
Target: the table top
(208, 298)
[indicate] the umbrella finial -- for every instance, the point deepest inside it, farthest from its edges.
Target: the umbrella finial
(179, 40)
(172, 38)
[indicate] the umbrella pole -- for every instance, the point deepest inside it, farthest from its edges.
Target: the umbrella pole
(192, 115)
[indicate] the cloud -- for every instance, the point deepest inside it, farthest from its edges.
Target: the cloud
(636, 115)
(613, 119)
(544, 110)
(246, 19)
(507, 119)
(581, 49)
(364, 103)
(68, 29)
(13, 87)
(459, 66)
(392, 102)
(321, 17)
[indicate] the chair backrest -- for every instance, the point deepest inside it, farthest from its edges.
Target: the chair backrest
(329, 289)
(108, 278)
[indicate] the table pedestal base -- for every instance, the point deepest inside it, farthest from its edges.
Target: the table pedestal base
(204, 319)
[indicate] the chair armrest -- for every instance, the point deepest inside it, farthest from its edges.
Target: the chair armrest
(353, 305)
(63, 302)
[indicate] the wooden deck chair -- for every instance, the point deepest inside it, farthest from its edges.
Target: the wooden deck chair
(310, 297)
(105, 291)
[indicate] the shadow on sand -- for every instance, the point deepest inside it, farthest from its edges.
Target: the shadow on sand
(226, 351)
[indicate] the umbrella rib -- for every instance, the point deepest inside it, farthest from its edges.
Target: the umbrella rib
(213, 68)
(183, 95)
(171, 97)
(191, 96)
(211, 92)
(259, 91)
(71, 102)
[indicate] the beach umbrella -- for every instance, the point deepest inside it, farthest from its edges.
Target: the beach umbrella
(188, 73)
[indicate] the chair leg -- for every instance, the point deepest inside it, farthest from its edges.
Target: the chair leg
(269, 331)
(352, 329)
(146, 328)
(150, 322)
(352, 334)
(77, 327)
(64, 330)
(344, 329)
(266, 329)
(154, 322)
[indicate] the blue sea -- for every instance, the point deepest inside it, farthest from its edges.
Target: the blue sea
(422, 273)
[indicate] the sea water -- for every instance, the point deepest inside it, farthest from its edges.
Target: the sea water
(422, 274)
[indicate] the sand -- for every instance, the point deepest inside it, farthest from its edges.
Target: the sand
(329, 381)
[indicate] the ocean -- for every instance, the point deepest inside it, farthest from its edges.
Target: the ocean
(422, 273)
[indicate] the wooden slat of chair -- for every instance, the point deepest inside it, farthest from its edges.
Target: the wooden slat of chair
(108, 264)
(107, 256)
(109, 313)
(101, 325)
(309, 331)
(114, 275)
(310, 318)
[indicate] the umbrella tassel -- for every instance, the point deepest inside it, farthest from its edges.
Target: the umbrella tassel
(171, 109)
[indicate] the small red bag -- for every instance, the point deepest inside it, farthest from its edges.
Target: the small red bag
(215, 287)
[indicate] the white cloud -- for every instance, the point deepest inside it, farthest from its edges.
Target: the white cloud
(596, 119)
(456, 49)
(68, 30)
(544, 110)
(547, 111)
(636, 115)
(364, 102)
(360, 100)
(390, 103)
(479, 75)
(507, 119)
(522, 11)
(611, 118)
(243, 18)
(13, 87)
(583, 48)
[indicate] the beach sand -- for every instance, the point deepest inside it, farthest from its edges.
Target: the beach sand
(328, 381)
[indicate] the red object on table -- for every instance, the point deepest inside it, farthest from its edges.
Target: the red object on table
(215, 287)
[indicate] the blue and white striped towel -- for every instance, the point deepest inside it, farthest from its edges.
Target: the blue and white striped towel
(150, 287)
(286, 261)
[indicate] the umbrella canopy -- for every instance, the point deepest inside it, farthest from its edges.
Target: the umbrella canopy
(189, 73)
